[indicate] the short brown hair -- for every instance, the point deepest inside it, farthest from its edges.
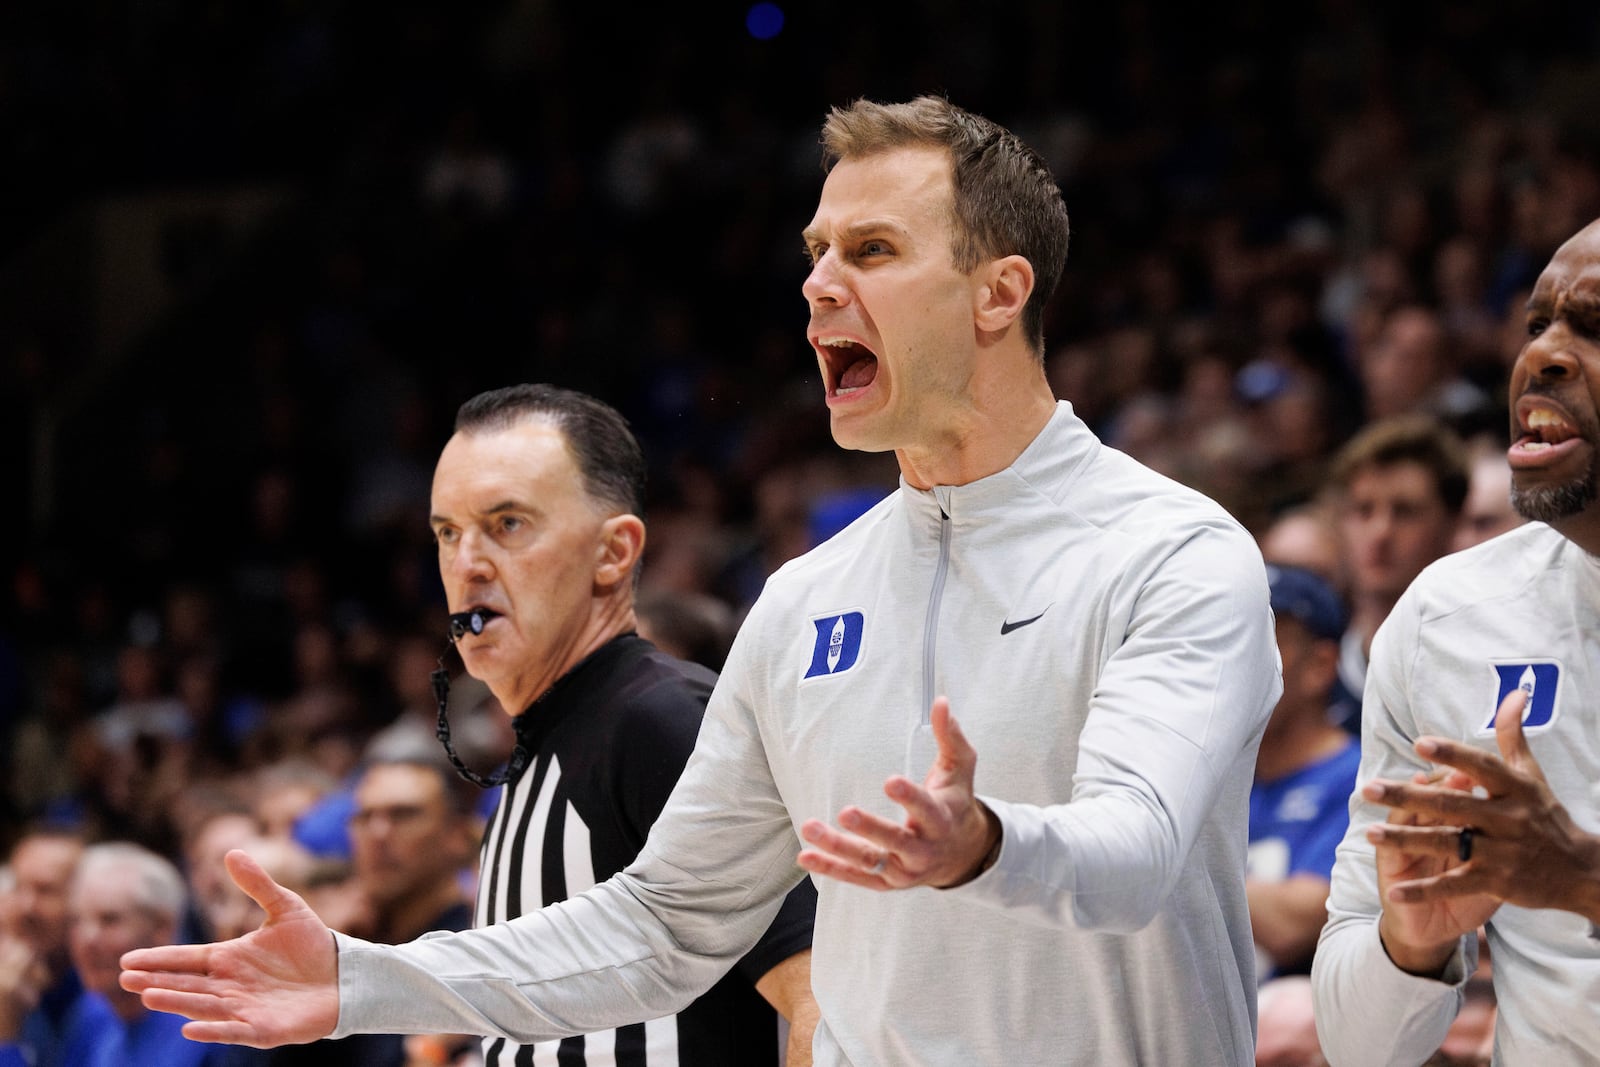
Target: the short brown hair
(1006, 201)
(1420, 439)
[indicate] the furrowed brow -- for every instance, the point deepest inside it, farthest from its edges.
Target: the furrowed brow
(872, 228)
(854, 231)
(501, 508)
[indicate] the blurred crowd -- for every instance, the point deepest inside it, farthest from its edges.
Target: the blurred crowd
(1292, 224)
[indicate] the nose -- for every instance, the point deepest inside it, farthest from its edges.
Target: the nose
(1381, 525)
(823, 286)
(373, 826)
(468, 559)
(1549, 356)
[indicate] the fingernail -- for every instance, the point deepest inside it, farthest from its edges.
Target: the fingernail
(1372, 791)
(1426, 748)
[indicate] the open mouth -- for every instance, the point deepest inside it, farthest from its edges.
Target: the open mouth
(850, 365)
(1545, 433)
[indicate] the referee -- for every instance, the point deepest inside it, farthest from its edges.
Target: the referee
(535, 509)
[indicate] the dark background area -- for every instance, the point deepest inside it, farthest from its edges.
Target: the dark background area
(253, 256)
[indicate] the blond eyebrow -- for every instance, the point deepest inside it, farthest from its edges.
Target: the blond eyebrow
(856, 230)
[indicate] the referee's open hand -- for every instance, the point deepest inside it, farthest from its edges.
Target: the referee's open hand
(275, 986)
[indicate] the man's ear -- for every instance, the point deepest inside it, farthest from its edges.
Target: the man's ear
(1004, 290)
(621, 545)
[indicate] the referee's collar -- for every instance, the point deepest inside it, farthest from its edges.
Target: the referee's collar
(551, 706)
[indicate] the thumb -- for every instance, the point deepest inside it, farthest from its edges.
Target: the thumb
(956, 755)
(1508, 729)
(258, 885)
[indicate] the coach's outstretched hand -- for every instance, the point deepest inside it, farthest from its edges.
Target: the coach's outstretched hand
(946, 840)
(276, 986)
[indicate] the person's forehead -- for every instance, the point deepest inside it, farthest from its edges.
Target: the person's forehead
(1576, 262)
(228, 825)
(106, 889)
(1401, 477)
(533, 450)
(910, 183)
(526, 438)
(45, 858)
(1302, 531)
(396, 784)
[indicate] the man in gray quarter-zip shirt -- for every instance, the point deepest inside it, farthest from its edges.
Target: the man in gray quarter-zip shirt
(1074, 896)
(1487, 670)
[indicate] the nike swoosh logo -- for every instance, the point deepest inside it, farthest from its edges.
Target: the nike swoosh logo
(1007, 627)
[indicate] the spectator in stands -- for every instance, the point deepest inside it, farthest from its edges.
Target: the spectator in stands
(1307, 536)
(1305, 772)
(1401, 483)
(693, 626)
(125, 897)
(1487, 511)
(286, 790)
(215, 903)
(415, 832)
(1286, 1025)
(47, 1017)
(1408, 368)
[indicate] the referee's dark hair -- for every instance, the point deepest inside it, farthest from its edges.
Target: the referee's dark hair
(607, 454)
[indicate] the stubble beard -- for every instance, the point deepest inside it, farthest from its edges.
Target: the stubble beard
(1553, 503)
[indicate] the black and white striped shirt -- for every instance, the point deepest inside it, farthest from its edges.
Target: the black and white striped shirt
(607, 743)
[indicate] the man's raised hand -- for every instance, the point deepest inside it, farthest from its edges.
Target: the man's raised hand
(946, 835)
(278, 985)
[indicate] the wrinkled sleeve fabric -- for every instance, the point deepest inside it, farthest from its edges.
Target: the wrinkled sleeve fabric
(1182, 697)
(638, 946)
(1370, 1012)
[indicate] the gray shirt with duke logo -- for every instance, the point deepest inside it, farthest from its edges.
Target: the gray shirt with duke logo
(1523, 607)
(1104, 638)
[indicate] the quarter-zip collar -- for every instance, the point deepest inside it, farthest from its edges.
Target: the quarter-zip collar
(1048, 465)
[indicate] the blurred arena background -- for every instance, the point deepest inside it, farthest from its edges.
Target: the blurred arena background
(253, 255)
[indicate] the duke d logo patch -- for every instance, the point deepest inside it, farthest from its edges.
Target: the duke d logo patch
(838, 643)
(1542, 680)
